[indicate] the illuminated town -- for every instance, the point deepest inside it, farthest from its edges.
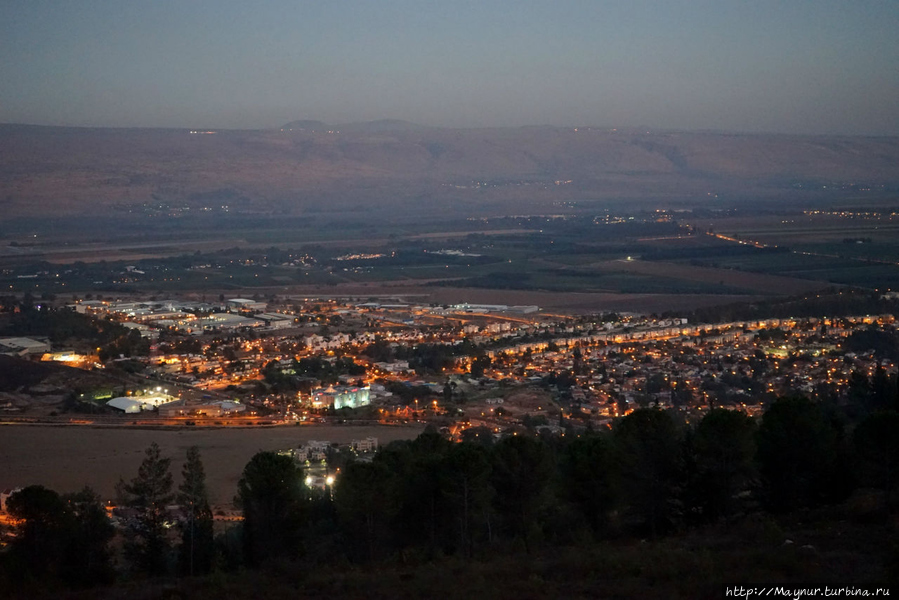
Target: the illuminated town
(467, 369)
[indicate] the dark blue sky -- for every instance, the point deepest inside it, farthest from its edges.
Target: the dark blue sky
(795, 66)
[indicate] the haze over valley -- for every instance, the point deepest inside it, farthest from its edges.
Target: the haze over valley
(396, 169)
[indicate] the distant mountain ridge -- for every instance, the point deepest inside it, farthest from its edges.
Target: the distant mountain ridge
(379, 126)
(305, 125)
(310, 165)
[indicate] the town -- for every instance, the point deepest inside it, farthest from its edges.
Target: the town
(469, 370)
(360, 415)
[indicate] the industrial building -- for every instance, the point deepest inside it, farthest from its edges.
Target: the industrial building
(210, 409)
(276, 320)
(23, 347)
(245, 304)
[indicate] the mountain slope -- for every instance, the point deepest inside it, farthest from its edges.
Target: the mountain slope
(61, 170)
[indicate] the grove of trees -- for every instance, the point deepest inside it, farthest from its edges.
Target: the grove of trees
(650, 476)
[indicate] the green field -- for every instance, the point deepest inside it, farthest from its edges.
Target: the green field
(559, 254)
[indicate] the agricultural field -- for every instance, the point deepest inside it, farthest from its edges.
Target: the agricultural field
(838, 248)
(725, 278)
(67, 458)
(684, 254)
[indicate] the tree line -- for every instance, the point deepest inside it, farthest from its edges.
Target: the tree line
(61, 325)
(651, 475)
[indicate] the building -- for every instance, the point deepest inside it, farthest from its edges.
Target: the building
(23, 347)
(86, 306)
(276, 321)
(211, 409)
(246, 305)
(341, 397)
(525, 310)
(313, 451)
(135, 404)
(144, 330)
(225, 321)
(127, 405)
(397, 366)
(369, 444)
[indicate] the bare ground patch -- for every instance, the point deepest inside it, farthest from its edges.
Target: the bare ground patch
(68, 458)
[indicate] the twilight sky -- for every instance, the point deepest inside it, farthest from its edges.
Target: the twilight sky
(793, 66)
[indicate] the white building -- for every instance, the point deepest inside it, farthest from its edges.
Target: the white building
(246, 304)
(369, 444)
(341, 397)
(135, 404)
(313, 451)
(24, 347)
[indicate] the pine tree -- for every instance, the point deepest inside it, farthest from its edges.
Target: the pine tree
(149, 493)
(271, 495)
(196, 551)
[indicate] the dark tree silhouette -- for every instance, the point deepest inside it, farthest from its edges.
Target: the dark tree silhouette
(90, 559)
(271, 494)
(417, 466)
(149, 493)
(196, 552)
(724, 446)
(466, 479)
(43, 534)
(479, 365)
(522, 468)
(365, 499)
(801, 456)
(649, 458)
(876, 440)
(60, 540)
(587, 469)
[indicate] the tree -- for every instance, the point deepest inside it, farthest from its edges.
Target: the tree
(724, 452)
(60, 539)
(448, 389)
(482, 436)
(466, 475)
(883, 390)
(365, 499)
(858, 392)
(800, 454)
(149, 493)
(91, 559)
(877, 445)
(271, 494)
(197, 545)
(479, 365)
(587, 479)
(649, 458)
(43, 534)
(522, 468)
(417, 467)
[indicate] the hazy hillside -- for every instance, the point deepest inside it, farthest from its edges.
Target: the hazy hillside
(308, 162)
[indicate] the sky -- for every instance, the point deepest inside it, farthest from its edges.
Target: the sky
(789, 66)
